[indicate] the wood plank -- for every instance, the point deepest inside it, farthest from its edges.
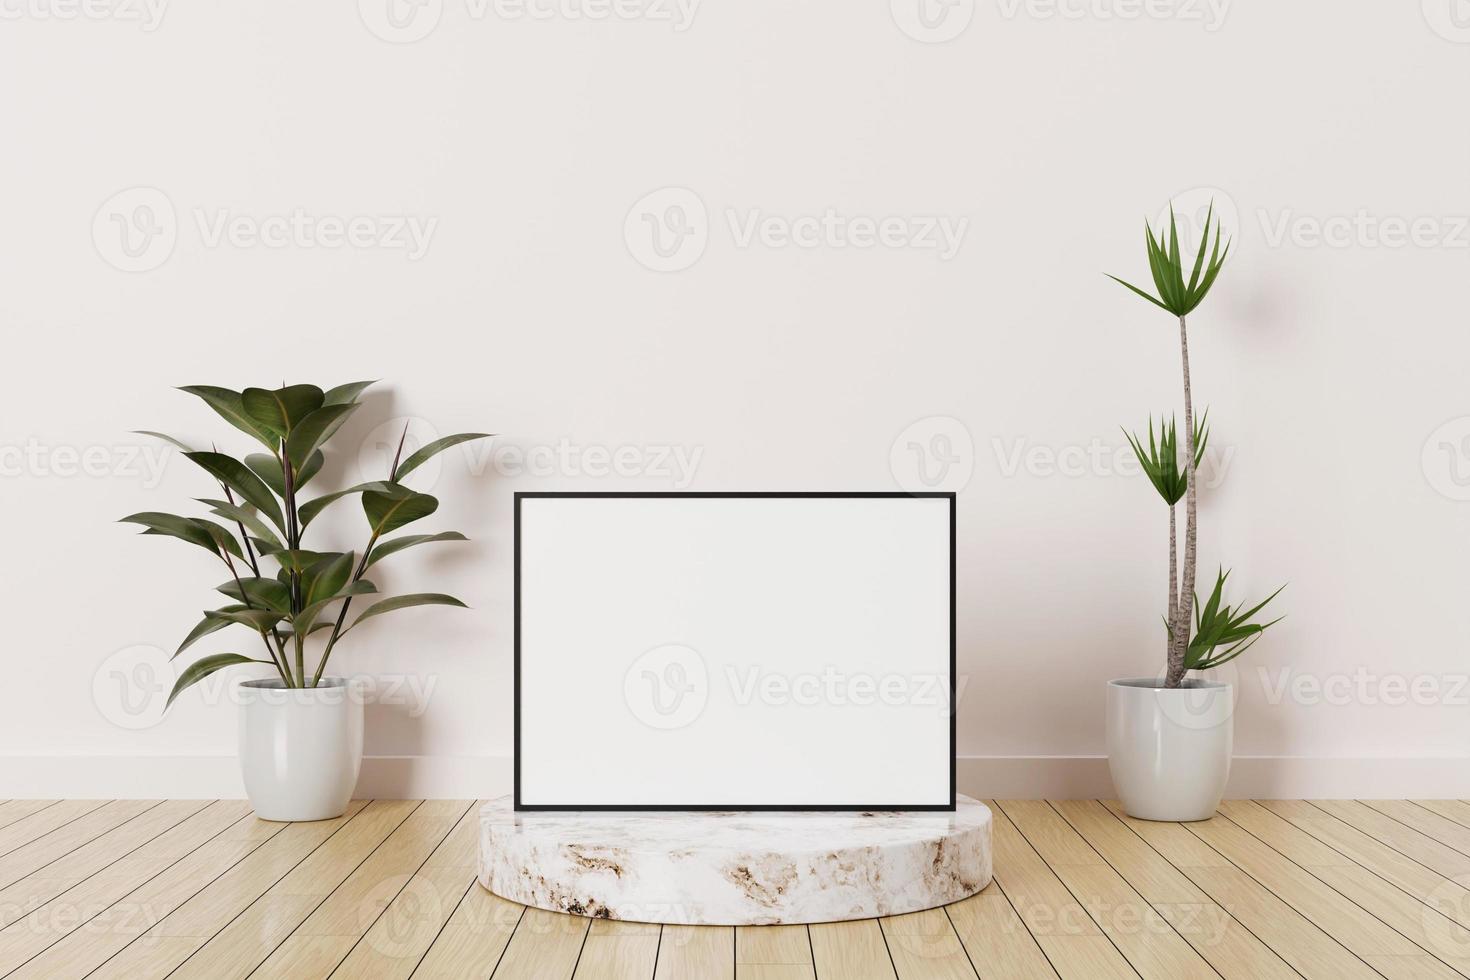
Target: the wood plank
(319, 944)
(1431, 824)
(249, 938)
(473, 939)
(43, 822)
(1141, 934)
(1048, 910)
(1227, 945)
(995, 938)
(545, 946)
(398, 940)
(1450, 899)
(1369, 938)
(77, 905)
(80, 951)
(694, 953)
(924, 946)
(169, 943)
(13, 810)
(1456, 810)
(47, 866)
(619, 951)
(1406, 840)
(850, 950)
(1426, 928)
(1425, 884)
(1304, 946)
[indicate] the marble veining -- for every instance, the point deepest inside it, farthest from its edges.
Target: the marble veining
(735, 868)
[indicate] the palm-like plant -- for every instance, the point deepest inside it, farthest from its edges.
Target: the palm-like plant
(1180, 295)
(311, 591)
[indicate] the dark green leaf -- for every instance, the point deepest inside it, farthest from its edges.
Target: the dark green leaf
(256, 619)
(205, 666)
(386, 548)
(278, 411)
(207, 625)
(268, 468)
(261, 593)
(310, 432)
(324, 578)
(238, 477)
(306, 619)
(194, 530)
(230, 407)
(344, 394)
(405, 601)
(434, 448)
(309, 510)
(223, 539)
(246, 516)
(388, 510)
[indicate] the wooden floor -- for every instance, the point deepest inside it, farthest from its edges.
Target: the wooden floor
(198, 888)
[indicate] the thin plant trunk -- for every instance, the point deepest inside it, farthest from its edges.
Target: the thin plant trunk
(1171, 607)
(1185, 605)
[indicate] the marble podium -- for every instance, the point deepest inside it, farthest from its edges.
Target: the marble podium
(735, 868)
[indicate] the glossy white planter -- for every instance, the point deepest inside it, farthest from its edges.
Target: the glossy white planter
(300, 750)
(1169, 750)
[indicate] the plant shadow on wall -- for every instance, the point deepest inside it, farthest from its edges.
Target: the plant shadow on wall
(1181, 775)
(300, 612)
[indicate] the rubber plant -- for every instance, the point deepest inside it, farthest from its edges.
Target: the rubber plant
(1199, 636)
(263, 517)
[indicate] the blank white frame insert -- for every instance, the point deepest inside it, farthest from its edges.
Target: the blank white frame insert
(741, 651)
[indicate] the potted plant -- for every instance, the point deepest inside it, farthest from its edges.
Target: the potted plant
(301, 729)
(1170, 738)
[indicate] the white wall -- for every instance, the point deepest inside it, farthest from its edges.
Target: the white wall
(1051, 131)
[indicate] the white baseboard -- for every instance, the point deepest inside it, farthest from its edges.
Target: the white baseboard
(471, 777)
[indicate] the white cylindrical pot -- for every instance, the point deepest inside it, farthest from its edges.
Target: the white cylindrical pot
(1169, 749)
(300, 749)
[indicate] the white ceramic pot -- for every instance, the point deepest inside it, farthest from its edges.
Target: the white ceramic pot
(300, 749)
(1169, 749)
